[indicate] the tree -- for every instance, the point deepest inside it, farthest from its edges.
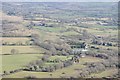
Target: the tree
(52, 68)
(57, 66)
(27, 42)
(57, 60)
(14, 51)
(39, 62)
(67, 63)
(57, 47)
(45, 58)
(64, 53)
(31, 68)
(35, 36)
(47, 53)
(85, 34)
(30, 77)
(5, 72)
(19, 43)
(51, 75)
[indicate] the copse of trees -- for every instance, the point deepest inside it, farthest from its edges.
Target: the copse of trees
(53, 48)
(102, 55)
(78, 45)
(98, 42)
(96, 67)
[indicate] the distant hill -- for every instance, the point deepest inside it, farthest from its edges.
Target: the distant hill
(93, 9)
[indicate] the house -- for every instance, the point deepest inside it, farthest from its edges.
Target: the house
(82, 55)
(84, 50)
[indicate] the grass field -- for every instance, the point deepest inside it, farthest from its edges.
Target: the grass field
(69, 71)
(44, 35)
(15, 39)
(21, 49)
(63, 58)
(12, 62)
(90, 59)
(52, 58)
(105, 73)
(99, 31)
(49, 29)
(56, 30)
(68, 33)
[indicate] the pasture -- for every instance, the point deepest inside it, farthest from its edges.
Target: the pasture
(12, 62)
(63, 58)
(15, 39)
(56, 74)
(21, 49)
(90, 59)
(67, 71)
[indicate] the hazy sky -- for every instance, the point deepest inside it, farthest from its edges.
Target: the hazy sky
(59, 0)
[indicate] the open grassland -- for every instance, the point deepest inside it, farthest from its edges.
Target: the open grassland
(68, 71)
(12, 62)
(105, 73)
(21, 49)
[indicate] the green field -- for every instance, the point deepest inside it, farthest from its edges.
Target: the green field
(49, 29)
(21, 49)
(15, 39)
(69, 71)
(46, 35)
(99, 31)
(63, 58)
(12, 62)
(90, 59)
(69, 33)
